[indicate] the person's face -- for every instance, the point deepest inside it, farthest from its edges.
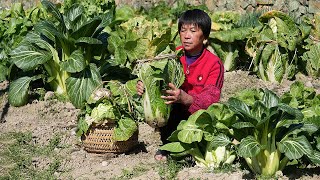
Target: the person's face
(192, 38)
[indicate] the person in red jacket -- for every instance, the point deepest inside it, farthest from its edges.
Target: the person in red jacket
(204, 73)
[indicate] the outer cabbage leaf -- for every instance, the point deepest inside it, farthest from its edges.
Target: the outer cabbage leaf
(80, 87)
(232, 34)
(125, 129)
(312, 58)
(18, 89)
(227, 53)
(27, 57)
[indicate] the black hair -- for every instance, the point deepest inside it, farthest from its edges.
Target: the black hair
(197, 17)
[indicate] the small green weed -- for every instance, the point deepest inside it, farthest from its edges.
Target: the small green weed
(39, 94)
(129, 174)
(22, 159)
(168, 170)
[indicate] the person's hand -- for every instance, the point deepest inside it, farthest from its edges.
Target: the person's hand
(140, 88)
(173, 95)
(176, 95)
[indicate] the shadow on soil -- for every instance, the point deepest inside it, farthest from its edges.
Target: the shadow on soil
(141, 147)
(292, 172)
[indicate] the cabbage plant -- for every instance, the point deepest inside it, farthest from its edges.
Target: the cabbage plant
(271, 133)
(310, 63)
(61, 50)
(227, 37)
(273, 46)
(301, 97)
(308, 101)
(14, 25)
(206, 136)
(139, 38)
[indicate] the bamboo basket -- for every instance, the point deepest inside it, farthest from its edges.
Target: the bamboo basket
(99, 139)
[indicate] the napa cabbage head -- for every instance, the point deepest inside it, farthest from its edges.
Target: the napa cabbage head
(103, 111)
(156, 75)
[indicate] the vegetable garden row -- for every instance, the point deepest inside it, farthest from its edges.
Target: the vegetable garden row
(92, 53)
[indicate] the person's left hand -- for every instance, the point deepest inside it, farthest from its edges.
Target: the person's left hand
(173, 94)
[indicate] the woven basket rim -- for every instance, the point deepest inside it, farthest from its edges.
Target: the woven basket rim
(108, 123)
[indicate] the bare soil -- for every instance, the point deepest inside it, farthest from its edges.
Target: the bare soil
(48, 118)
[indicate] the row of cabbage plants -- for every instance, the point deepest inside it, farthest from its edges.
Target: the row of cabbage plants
(52, 43)
(276, 47)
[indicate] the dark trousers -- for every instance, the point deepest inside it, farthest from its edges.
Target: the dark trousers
(178, 113)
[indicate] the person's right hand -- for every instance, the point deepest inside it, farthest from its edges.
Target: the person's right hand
(140, 88)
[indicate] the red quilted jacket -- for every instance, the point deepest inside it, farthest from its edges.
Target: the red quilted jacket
(204, 80)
